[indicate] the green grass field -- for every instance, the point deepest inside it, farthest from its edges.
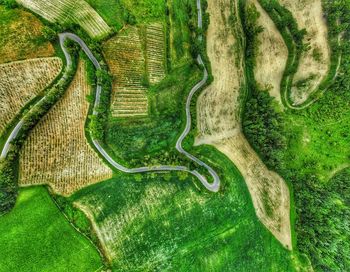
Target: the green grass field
(161, 223)
(35, 236)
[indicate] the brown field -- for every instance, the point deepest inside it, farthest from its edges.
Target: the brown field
(132, 67)
(219, 123)
(22, 81)
(272, 55)
(70, 11)
(20, 36)
(56, 151)
(314, 63)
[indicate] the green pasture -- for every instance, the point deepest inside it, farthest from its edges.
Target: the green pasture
(35, 236)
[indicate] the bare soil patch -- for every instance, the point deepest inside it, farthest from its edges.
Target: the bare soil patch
(272, 55)
(219, 122)
(56, 151)
(270, 194)
(315, 62)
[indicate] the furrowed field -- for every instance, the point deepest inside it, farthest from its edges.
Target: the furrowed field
(136, 58)
(56, 151)
(127, 64)
(35, 236)
(22, 81)
(70, 11)
(21, 36)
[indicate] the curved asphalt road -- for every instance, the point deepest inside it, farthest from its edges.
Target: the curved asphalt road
(213, 187)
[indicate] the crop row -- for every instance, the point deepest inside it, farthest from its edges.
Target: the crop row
(155, 47)
(56, 151)
(126, 62)
(22, 81)
(70, 11)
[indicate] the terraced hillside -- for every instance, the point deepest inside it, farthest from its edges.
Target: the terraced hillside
(155, 51)
(134, 68)
(70, 11)
(56, 151)
(127, 64)
(22, 81)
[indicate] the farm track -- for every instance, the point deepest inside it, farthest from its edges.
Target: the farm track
(213, 187)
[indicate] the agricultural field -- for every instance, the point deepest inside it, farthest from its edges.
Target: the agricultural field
(219, 125)
(35, 236)
(70, 12)
(21, 36)
(260, 88)
(154, 224)
(272, 55)
(126, 62)
(56, 151)
(155, 52)
(22, 81)
(315, 61)
(136, 58)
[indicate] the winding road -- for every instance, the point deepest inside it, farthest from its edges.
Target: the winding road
(213, 187)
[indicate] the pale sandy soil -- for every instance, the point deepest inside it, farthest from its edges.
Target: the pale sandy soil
(309, 15)
(219, 123)
(218, 119)
(56, 151)
(269, 192)
(272, 55)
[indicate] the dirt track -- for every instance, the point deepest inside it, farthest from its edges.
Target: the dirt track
(219, 122)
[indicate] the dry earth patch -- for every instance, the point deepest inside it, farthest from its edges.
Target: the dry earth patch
(272, 55)
(219, 121)
(314, 63)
